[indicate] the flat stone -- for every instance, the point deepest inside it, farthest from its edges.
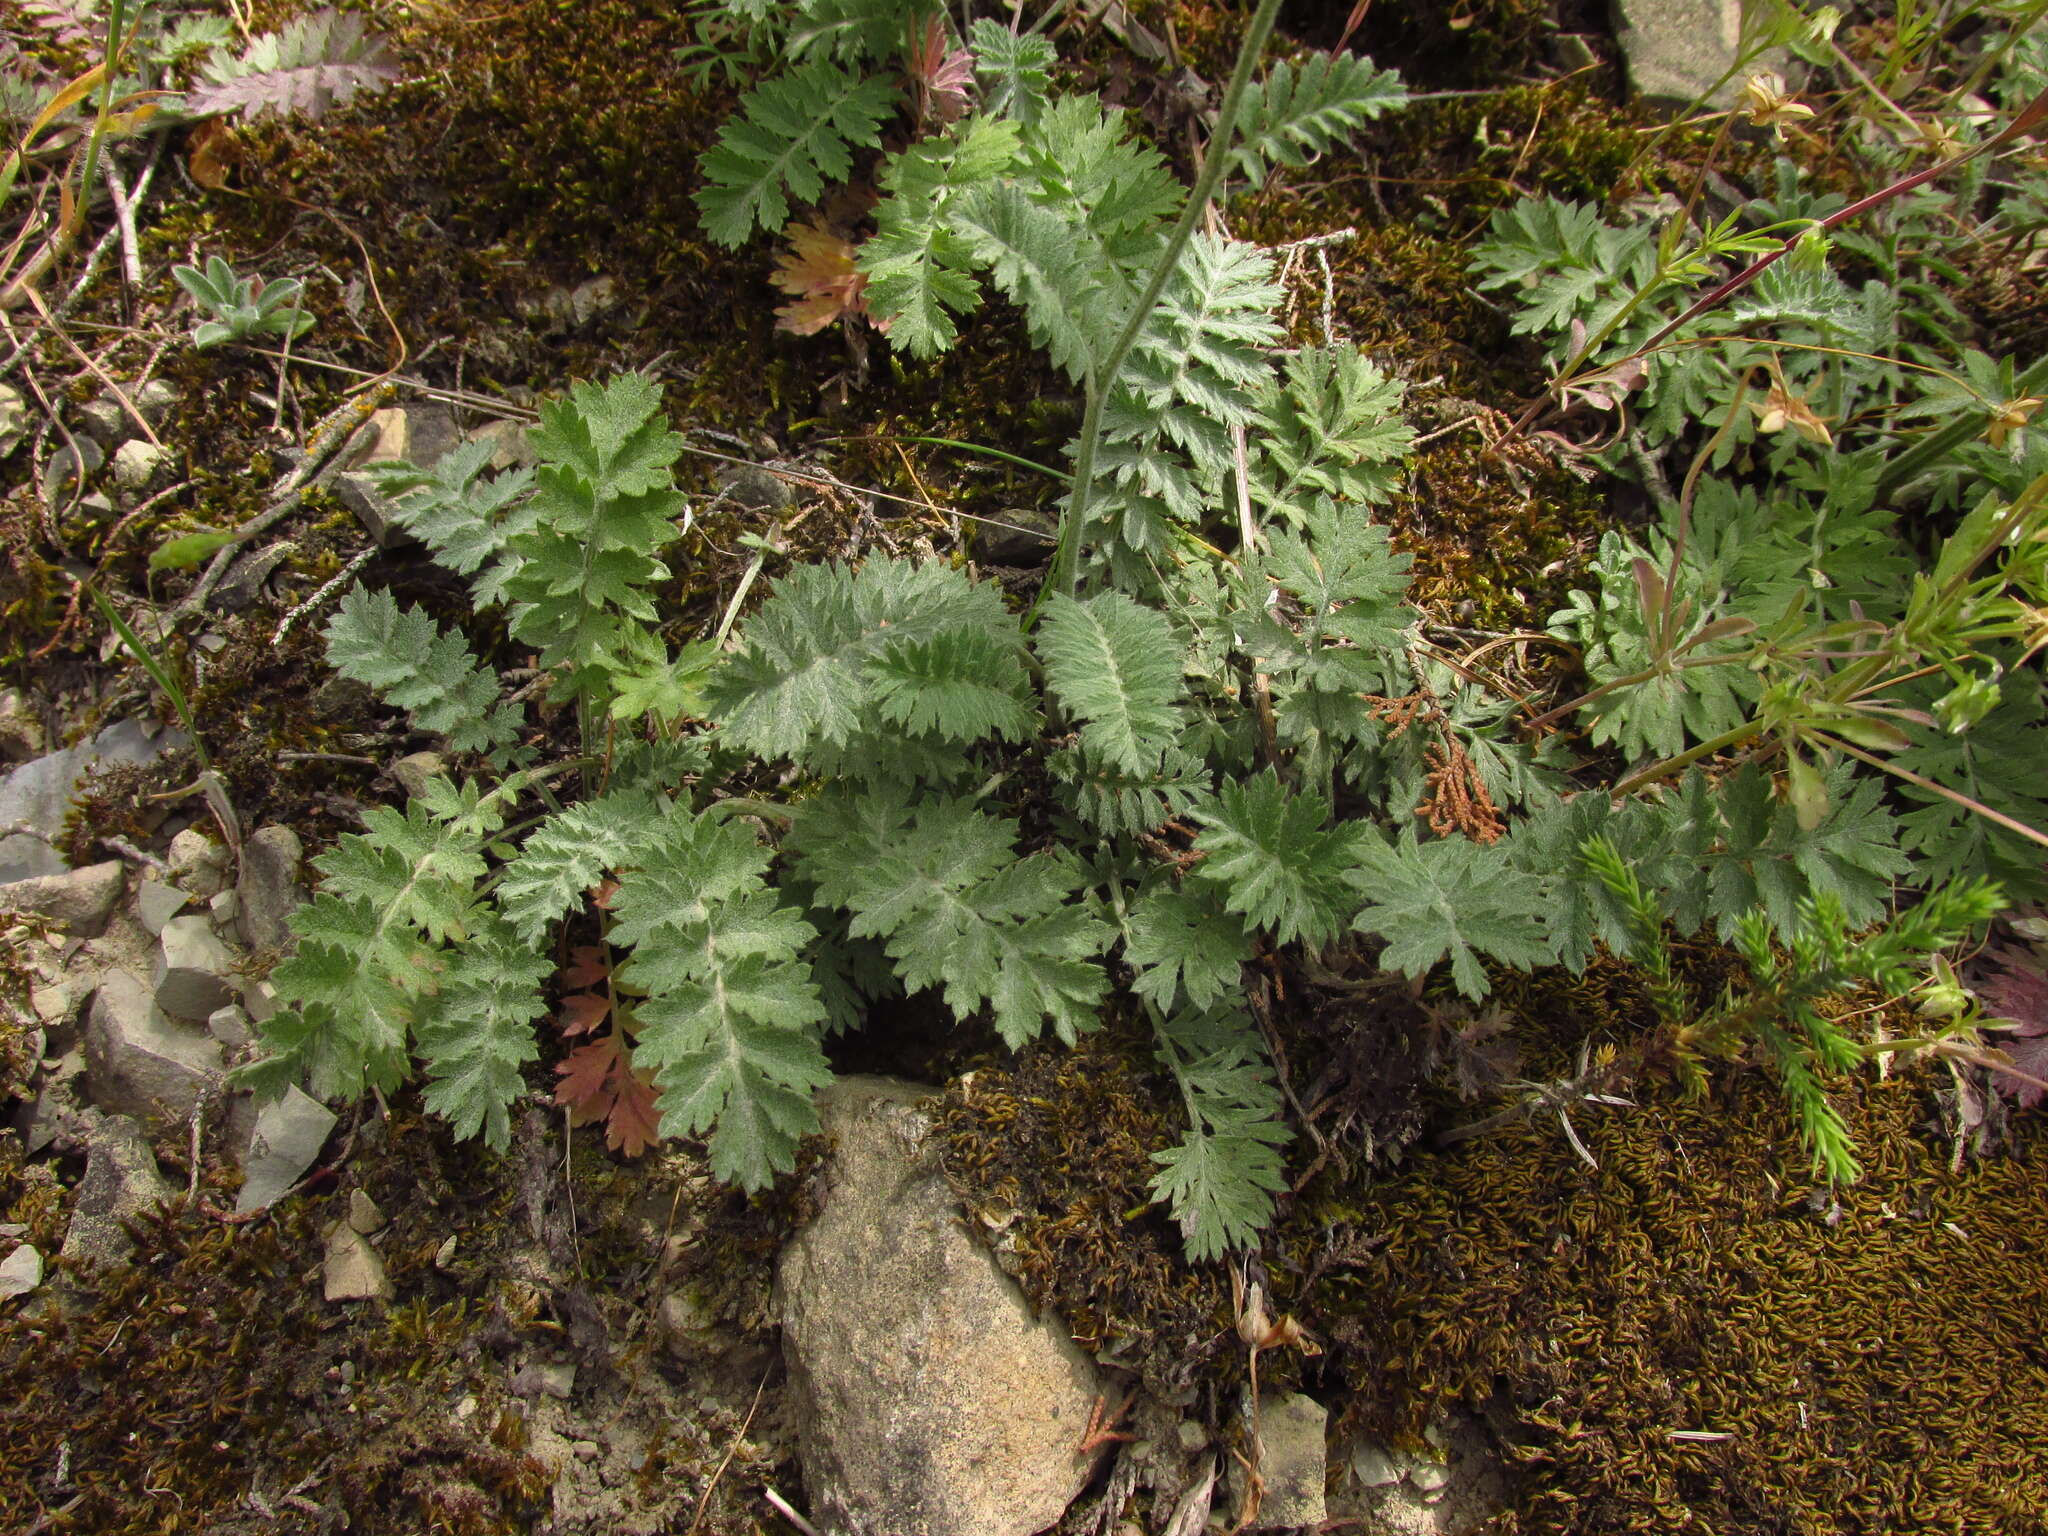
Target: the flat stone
(21, 729)
(259, 998)
(230, 1026)
(155, 400)
(197, 864)
(121, 1183)
(38, 793)
(139, 465)
(353, 1270)
(140, 1060)
(58, 1106)
(63, 466)
(157, 903)
(1293, 1460)
(928, 1396)
(289, 1135)
(363, 1214)
(102, 419)
(21, 1271)
(413, 770)
(1678, 49)
(78, 901)
(267, 889)
(192, 967)
(1373, 1466)
(544, 1378)
(225, 909)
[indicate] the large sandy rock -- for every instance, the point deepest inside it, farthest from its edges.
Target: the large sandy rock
(929, 1398)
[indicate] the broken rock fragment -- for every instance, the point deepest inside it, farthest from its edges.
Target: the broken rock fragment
(121, 1183)
(142, 1062)
(929, 1397)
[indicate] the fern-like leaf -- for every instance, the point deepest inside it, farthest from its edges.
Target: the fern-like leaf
(316, 62)
(1450, 897)
(1270, 857)
(1016, 70)
(1116, 666)
(833, 655)
(1184, 947)
(480, 1033)
(1300, 110)
(416, 666)
(466, 518)
(568, 854)
(1032, 257)
(603, 504)
(795, 133)
(920, 270)
(1220, 1181)
(371, 951)
(730, 1021)
(1331, 426)
(939, 881)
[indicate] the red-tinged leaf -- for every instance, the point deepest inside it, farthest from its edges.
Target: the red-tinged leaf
(587, 966)
(943, 76)
(585, 1088)
(582, 1012)
(601, 898)
(818, 271)
(635, 1122)
(599, 1083)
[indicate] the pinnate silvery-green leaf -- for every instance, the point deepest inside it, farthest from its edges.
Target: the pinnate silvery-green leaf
(1454, 898)
(1269, 854)
(1183, 944)
(1115, 666)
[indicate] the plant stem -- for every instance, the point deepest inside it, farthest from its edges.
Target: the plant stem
(1102, 378)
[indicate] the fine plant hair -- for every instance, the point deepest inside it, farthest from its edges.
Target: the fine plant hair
(1174, 767)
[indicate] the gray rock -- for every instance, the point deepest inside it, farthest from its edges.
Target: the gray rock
(509, 446)
(121, 1183)
(357, 490)
(413, 770)
(1677, 49)
(363, 1214)
(1373, 1465)
(550, 1378)
(1026, 540)
(58, 1106)
(288, 1137)
(79, 901)
(157, 903)
(267, 890)
(21, 730)
(139, 465)
(141, 1061)
(418, 435)
(753, 489)
(191, 969)
(38, 793)
(260, 999)
(21, 1271)
(230, 1026)
(102, 420)
(197, 864)
(155, 399)
(1292, 1462)
(928, 1396)
(225, 907)
(354, 1271)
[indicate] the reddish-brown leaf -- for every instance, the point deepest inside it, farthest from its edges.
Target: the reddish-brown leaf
(586, 1076)
(587, 966)
(818, 270)
(635, 1122)
(599, 1083)
(943, 77)
(582, 1012)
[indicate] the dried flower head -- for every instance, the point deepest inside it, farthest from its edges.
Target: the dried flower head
(2010, 418)
(1766, 102)
(1780, 408)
